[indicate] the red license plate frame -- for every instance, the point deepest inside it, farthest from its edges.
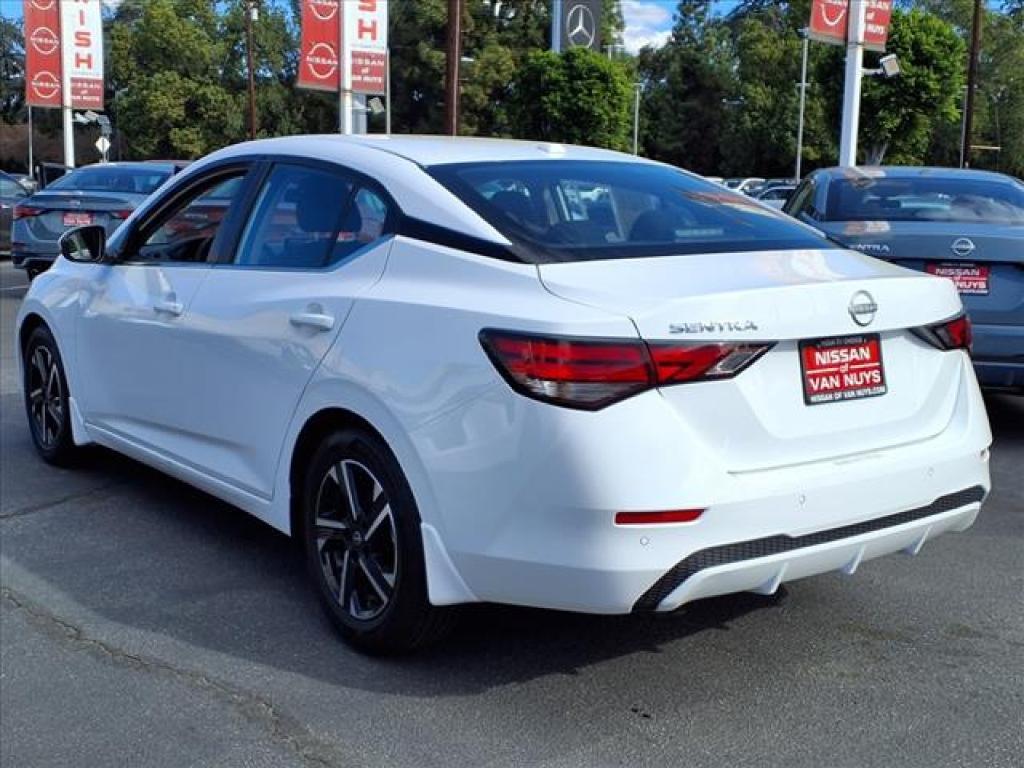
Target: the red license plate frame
(77, 219)
(969, 278)
(842, 368)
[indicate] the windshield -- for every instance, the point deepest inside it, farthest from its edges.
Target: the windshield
(137, 181)
(926, 199)
(572, 210)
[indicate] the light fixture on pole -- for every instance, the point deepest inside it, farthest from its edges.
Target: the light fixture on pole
(802, 85)
(251, 14)
(637, 87)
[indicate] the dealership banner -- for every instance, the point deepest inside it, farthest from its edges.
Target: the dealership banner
(63, 35)
(42, 53)
(581, 24)
(363, 46)
(830, 22)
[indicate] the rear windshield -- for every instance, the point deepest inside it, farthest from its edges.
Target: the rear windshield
(138, 181)
(572, 210)
(925, 199)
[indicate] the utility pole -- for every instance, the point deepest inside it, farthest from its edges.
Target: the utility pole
(454, 53)
(972, 85)
(637, 87)
(251, 13)
(851, 88)
(803, 102)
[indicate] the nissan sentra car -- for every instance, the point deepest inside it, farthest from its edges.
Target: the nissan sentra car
(465, 370)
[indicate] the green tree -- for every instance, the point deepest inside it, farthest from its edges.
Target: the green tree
(12, 71)
(577, 97)
(899, 116)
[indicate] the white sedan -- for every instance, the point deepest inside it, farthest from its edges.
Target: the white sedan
(470, 370)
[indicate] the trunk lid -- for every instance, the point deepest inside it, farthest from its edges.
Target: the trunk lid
(760, 419)
(80, 207)
(987, 259)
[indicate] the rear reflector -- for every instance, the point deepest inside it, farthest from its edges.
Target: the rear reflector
(658, 518)
(26, 212)
(592, 373)
(952, 334)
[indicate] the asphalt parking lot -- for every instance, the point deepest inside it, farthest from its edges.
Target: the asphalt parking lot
(147, 624)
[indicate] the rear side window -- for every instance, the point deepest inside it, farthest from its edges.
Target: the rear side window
(926, 198)
(305, 218)
(571, 210)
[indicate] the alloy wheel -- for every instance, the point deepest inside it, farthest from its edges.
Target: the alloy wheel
(46, 396)
(356, 540)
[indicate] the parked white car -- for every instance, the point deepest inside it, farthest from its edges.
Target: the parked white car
(474, 370)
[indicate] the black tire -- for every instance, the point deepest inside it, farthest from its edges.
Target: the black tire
(367, 566)
(45, 389)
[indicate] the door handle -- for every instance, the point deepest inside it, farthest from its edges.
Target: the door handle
(316, 320)
(169, 307)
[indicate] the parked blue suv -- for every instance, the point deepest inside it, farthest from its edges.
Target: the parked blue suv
(965, 225)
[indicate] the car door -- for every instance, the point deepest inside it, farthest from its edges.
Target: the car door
(134, 339)
(261, 322)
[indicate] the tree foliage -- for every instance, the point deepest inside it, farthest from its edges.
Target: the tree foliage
(576, 97)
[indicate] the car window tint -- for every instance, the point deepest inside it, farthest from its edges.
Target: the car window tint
(307, 218)
(187, 233)
(926, 198)
(571, 210)
(113, 179)
(364, 222)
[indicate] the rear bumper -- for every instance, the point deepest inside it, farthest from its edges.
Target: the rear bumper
(534, 525)
(761, 565)
(24, 259)
(998, 355)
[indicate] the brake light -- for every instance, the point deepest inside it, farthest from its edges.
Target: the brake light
(122, 214)
(26, 212)
(952, 334)
(658, 518)
(592, 373)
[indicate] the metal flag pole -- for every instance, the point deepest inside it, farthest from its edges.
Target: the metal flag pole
(65, 92)
(387, 89)
(803, 102)
(851, 89)
(31, 138)
(344, 78)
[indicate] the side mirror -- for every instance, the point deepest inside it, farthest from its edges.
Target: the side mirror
(84, 244)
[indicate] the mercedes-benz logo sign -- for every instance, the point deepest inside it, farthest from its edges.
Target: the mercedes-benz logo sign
(582, 29)
(863, 308)
(962, 246)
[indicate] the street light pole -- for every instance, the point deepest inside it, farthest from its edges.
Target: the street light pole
(803, 102)
(454, 52)
(851, 88)
(972, 85)
(636, 117)
(250, 13)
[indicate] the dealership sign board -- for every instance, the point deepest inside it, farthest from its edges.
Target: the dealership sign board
(363, 28)
(830, 22)
(63, 35)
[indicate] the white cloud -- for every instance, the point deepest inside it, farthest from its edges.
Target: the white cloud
(647, 22)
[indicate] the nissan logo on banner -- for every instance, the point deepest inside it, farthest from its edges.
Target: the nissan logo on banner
(581, 24)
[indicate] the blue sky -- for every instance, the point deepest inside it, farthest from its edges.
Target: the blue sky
(648, 22)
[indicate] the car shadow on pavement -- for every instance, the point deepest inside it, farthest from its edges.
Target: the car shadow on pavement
(147, 552)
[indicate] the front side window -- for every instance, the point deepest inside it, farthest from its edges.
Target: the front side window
(926, 198)
(186, 233)
(571, 210)
(307, 218)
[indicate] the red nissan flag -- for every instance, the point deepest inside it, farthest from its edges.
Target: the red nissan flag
(42, 53)
(829, 20)
(319, 51)
(876, 24)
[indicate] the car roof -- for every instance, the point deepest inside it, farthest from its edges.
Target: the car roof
(427, 151)
(911, 171)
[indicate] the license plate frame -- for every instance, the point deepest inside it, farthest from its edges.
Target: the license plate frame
(856, 371)
(77, 219)
(970, 278)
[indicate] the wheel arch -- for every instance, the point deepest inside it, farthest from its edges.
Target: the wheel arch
(445, 584)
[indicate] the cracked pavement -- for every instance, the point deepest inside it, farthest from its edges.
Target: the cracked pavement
(143, 623)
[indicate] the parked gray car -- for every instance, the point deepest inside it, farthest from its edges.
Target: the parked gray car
(95, 194)
(11, 193)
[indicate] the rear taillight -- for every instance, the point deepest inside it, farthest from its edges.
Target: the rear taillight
(26, 212)
(122, 214)
(658, 518)
(592, 373)
(952, 334)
